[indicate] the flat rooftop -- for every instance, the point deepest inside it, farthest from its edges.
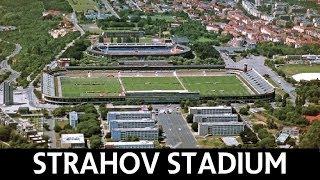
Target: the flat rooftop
(133, 143)
(134, 120)
(216, 115)
(229, 123)
(72, 138)
(137, 129)
(230, 141)
(211, 107)
(129, 112)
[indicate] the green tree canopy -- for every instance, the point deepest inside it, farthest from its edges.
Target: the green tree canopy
(5, 132)
(311, 139)
(95, 142)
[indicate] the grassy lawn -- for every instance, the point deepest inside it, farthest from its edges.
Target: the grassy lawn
(215, 85)
(204, 40)
(89, 87)
(262, 118)
(108, 86)
(210, 142)
(145, 40)
(151, 83)
(83, 5)
(292, 69)
(62, 123)
(278, 89)
(91, 28)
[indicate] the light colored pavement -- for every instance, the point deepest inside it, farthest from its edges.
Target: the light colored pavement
(51, 133)
(258, 63)
(178, 134)
(74, 20)
(4, 64)
(136, 5)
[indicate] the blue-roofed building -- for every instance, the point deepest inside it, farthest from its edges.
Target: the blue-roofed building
(215, 117)
(73, 119)
(130, 145)
(282, 138)
(221, 128)
(132, 123)
(147, 133)
(127, 115)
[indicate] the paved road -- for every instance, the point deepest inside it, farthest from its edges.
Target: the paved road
(4, 64)
(156, 7)
(51, 133)
(136, 5)
(34, 102)
(178, 134)
(108, 6)
(257, 62)
(74, 20)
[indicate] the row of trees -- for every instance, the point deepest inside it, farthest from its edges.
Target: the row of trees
(12, 139)
(177, 60)
(269, 49)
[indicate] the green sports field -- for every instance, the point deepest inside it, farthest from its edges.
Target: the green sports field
(83, 5)
(151, 83)
(86, 87)
(215, 85)
(110, 86)
(292, 69)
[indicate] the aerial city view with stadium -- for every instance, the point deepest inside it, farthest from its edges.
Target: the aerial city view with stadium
(155, 74)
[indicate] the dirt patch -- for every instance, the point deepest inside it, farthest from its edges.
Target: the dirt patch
(313, 118)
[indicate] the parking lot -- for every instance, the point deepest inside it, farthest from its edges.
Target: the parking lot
(178, 134)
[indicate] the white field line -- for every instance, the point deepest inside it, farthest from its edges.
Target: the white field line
(121, 84)
(175, 74)
(59, 87)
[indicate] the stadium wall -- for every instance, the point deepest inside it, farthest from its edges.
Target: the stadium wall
(154, 99)
(146, 67)
(185, 52)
